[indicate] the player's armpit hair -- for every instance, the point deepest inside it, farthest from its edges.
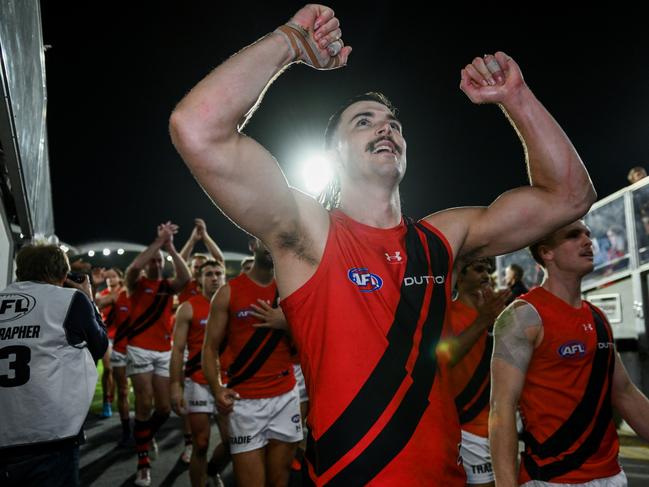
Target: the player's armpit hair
(298, 243)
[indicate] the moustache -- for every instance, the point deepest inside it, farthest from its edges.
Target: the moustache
(372, 145)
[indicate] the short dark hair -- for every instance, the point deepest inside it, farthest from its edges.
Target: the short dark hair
(535, 247)
(334, 120)
(330, 196)
(47, 263)
(482, 260)
(517, 270)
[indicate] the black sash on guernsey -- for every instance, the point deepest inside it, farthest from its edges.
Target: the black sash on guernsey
(152, 314)
(193, 364)
(480, 381)
(236, 373)
(122, 330)
(389, 373)
(111, 316)
(585, 414)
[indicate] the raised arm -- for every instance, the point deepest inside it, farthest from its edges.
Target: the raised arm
(183, 275)
(133, 270)
(632, 404)
(560, 188)
(181, 329)
(516, 331)
(186, 251)
(210, 244)
(239, 174)
(217, 322)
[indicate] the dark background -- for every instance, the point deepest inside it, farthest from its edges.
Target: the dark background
(115, 70)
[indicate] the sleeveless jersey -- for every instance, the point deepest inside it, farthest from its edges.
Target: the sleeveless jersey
(471, 375)
(107, 315)
(119, 320)
(565, 404)
(191, 289)
(260, 363)
(366, 325)
(46, 384)
(200, 311)
(151, 312)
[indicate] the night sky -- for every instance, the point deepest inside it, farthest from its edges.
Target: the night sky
(114, 76)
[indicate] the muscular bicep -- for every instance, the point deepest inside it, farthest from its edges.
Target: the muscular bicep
(516, 332)
(245, 182)
(504, 226)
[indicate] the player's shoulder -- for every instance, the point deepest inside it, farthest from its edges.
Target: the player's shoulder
(454, 224)
(520, 314)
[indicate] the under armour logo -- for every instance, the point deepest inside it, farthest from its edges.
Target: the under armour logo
(395, 258)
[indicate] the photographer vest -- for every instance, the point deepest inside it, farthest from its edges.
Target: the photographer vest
(46, 384)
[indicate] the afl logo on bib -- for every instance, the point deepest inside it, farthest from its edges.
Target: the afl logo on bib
(14, 306)
(572, 349)
(364, 280)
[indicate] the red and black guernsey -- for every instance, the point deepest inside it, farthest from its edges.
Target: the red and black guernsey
(195, 336)
(260, 364)
(367, 325)
(108, 314)
(471, 375)
(151, 313)
(565, 404)
(120, 321)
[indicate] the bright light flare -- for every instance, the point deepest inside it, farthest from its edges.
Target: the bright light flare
(316, 173)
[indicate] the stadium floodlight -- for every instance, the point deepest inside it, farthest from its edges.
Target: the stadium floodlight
(316, 173)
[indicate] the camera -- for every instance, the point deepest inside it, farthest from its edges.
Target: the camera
(78, 277)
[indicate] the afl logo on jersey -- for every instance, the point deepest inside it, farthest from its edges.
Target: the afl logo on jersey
(364, 280)
(14, 306)
(203, 322)
(244, 313)
(572, 349)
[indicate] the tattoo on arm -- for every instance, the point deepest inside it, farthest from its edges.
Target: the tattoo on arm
(514, 334)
